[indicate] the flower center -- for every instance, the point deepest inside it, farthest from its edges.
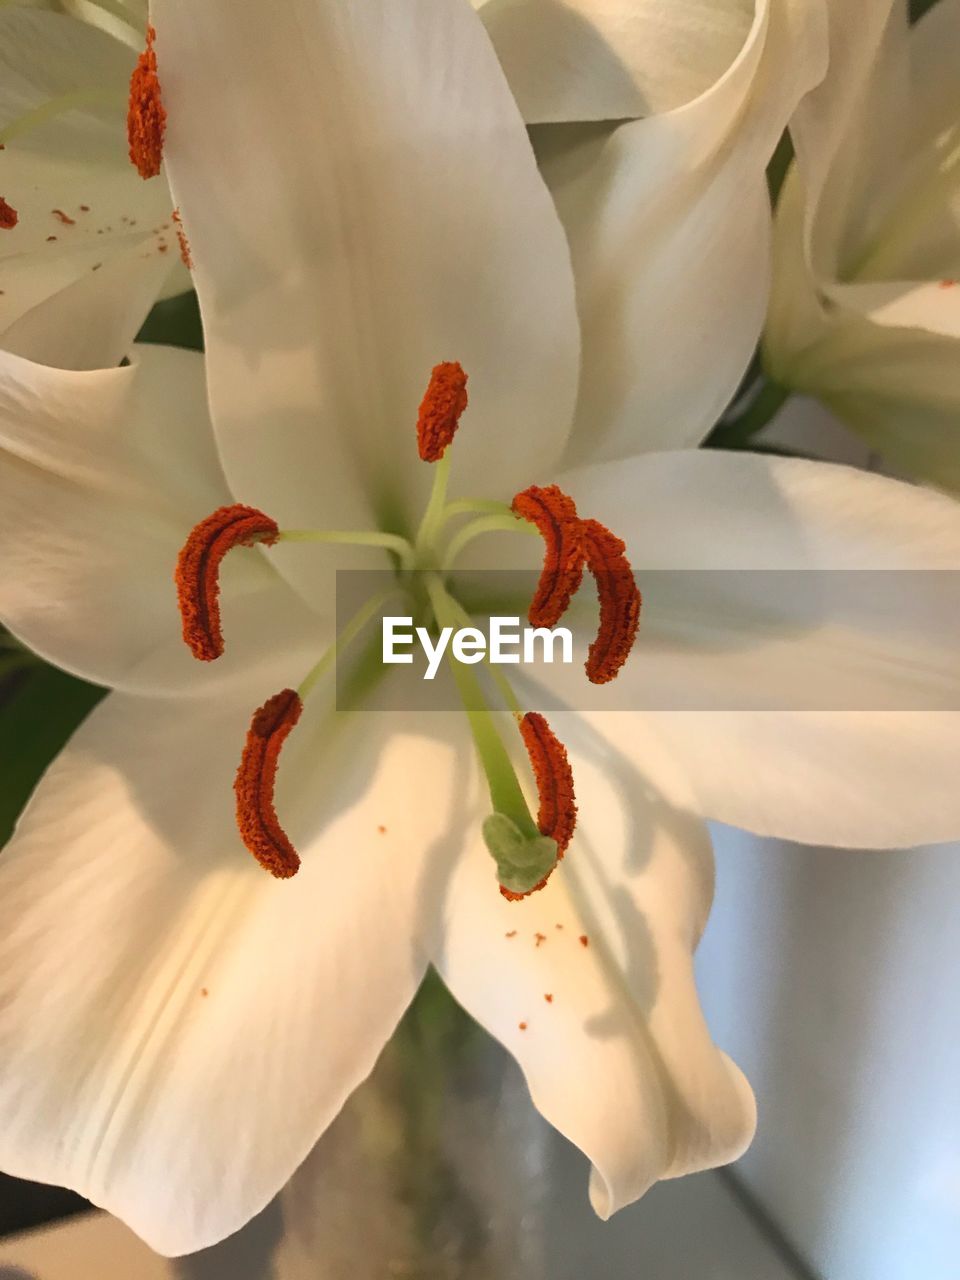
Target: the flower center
(525, 850)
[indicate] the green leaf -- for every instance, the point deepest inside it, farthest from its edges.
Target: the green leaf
(175, 322)
(39, 709)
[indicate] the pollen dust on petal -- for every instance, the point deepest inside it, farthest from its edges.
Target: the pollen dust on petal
(8, 216)
(146, 114)
(539, 939)
(182, 240)
(64, 218)
(584, 940)
(548, 997)
(522, 1026)
(511, 934)
(947, 284)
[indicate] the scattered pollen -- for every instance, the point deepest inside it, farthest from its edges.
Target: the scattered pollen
(204, 991)
(619, 602)
(84, 208)
(198, 571)
(64, 218)
(539, 937)
(522, 1026)
(49, 238)
(382, 830)
(555, 516)
(584, 940)
(511, 934)
(254, 785)
(185, 257)
(558, 926)
(96, 266)
(441, 409)
(548, 997)
(8, 216)
(947, 284)
(146, 114)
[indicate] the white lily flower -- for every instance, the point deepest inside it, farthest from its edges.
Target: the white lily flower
(176, 1027)
(86, 245)
(865, 312)
(673, 205)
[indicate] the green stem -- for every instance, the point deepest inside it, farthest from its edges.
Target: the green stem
(348, 537)
(433, 516)
(763, 407)
(506, 795)
(343, 640)
(485, 524)
(499, 679)
(57, 106)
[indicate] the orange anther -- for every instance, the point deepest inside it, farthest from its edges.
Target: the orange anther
(555, 516)
(619, 602)
(198, 571)
(441, 409)
(254, 785)
(146, 114)
(557, 815)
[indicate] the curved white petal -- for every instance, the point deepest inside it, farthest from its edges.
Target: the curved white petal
(177, 1027)
(866, 245)
(102, 476)
(358, 213)
(76, 284)
(619, 1058)
(837, 715)
(612, 59)
(668, 220)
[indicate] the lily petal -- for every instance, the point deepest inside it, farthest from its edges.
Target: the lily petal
(102, 475)
(865, 311)
(669, 220)
(93, 244)
(871, 777)
(371, 214)
(612, 59)
(199, 990)
(589, 982)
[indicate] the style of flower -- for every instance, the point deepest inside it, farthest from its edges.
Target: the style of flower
(177, 1026)
(865, 312)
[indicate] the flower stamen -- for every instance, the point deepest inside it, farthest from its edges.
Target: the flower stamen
(557, 815)
(257, 819)
(619, 599)
(198, 571)
(442, 406)
(555, 516)
(146, 114)
(8, 216)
